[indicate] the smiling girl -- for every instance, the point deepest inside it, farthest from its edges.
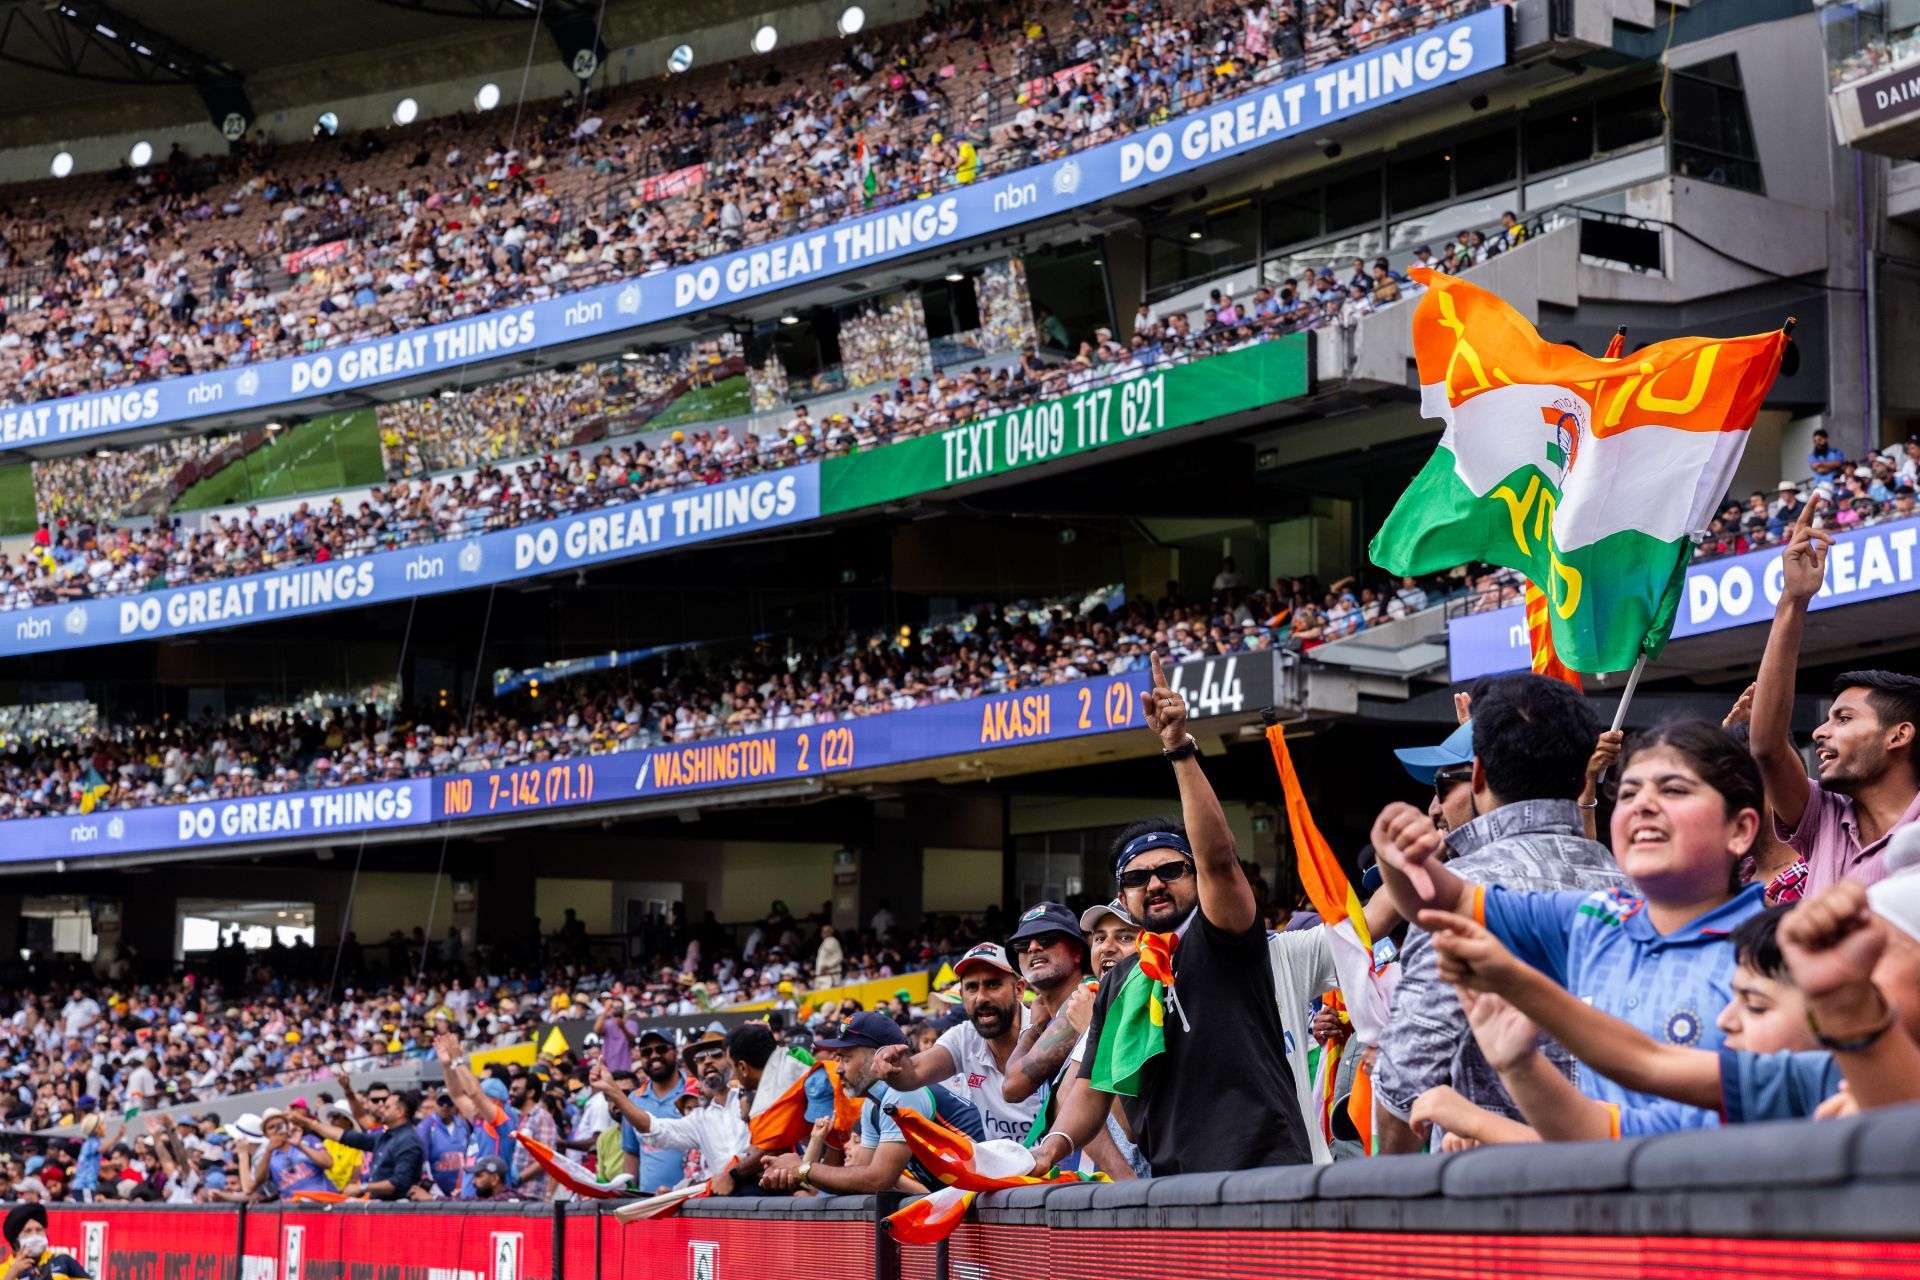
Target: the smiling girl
(1657, 955)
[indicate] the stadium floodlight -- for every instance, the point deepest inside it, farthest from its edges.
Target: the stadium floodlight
(765, 38)
(327, 125)
(486, 97)
(852, 20)
(406, 111)
(680, 59)
(62, 163)
(141, 155)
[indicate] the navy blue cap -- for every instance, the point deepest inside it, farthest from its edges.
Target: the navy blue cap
(1424, 762)
(865, 1031)
(1151, 840)
(1047, 917)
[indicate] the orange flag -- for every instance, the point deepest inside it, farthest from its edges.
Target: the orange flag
(1320, 871)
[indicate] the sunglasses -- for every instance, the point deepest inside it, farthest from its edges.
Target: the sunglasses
(656, 1051)
(1445, 780)
(1168, 873)
(709, 1055)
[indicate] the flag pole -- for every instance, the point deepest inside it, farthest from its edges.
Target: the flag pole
(1626, 695)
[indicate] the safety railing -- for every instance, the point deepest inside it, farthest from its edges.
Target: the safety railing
(1812, 1199)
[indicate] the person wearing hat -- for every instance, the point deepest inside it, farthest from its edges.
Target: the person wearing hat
(86, 1166)
(658, 1168)
(978, 1050)
(1448, 769)
(1221, 1038)
(294, 1163)
(861, 1041)
(25, 1229)
(717, 1130)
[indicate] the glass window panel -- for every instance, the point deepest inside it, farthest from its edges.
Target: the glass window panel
(1353, 200)
(1418, 180)
(1483, 162)
(1626, 119)
(1291, 218)
(1556, 139)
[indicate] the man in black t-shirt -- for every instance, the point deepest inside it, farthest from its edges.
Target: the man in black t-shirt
(1219, 1096)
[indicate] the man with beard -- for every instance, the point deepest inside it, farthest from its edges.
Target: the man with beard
(1869, 761)
(717, 1128)
(979, 1048)
(657, 1168)
(1211, 1091)
(877, 1164)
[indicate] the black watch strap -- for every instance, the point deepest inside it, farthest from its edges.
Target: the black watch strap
(1185, 751)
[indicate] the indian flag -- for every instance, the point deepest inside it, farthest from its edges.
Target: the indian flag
(1588, 475)
(1134, 1033)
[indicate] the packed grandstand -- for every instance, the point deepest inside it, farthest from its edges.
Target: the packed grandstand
(1325, 678)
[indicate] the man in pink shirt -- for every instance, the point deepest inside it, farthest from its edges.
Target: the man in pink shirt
(1868, 783)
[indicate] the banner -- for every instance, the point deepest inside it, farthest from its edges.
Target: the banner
(1870, 563)
(663, 523)
(1158, 399)
(1292, 108)
(313, 255)
(871, 995)
(679, 182)
(1236, 685)
(442, 1241)
(188, 1242)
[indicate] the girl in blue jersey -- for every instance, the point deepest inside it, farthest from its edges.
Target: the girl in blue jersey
(291, 1163)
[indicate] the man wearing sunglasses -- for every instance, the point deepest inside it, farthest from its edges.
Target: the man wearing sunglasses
(717, 1128)
(1215, 1095)
(659, 1168)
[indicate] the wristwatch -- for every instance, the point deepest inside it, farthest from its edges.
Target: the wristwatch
(800, 1174)
(1187, 750)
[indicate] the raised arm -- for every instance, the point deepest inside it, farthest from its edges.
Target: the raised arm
(1552, 1104)
(1832, 944)
(1042, 1051)
(601, 1080)
(358, 1106)
(465, 1091)
(327, 1132)
(1226, 899)
(1470, 956)
(1803, 564)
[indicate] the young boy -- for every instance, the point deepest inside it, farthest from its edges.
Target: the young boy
(1854, 954)
(1766, 1015)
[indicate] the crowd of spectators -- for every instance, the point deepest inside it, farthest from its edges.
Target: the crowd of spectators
(200, 264)
(1708, 935)
(240, 1020)
(690, 695)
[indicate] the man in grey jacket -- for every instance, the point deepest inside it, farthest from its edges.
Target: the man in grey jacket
(1532, 741)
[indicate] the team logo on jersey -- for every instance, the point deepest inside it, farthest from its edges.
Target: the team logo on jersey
(976, 1079)
(1683, 1027)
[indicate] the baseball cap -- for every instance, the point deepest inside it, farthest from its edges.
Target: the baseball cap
(491, 1164)
(991, 954)
(1045, 918)
(1091, 916)
(654, 1033)
(1424, 762)
(866, 1031)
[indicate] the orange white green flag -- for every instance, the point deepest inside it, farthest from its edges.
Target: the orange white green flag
(1586, 474)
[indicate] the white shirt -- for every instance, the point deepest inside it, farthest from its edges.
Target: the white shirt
(986, 1083)
(715, 1129)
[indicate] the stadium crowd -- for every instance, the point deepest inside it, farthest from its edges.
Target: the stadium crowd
(1705, 934)
(84, 552)
(692, 695)
(201, 264)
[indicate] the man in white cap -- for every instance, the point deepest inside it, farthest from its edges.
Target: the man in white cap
(978, 1049)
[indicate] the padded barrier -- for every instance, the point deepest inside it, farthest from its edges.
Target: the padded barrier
(1821, 1201)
